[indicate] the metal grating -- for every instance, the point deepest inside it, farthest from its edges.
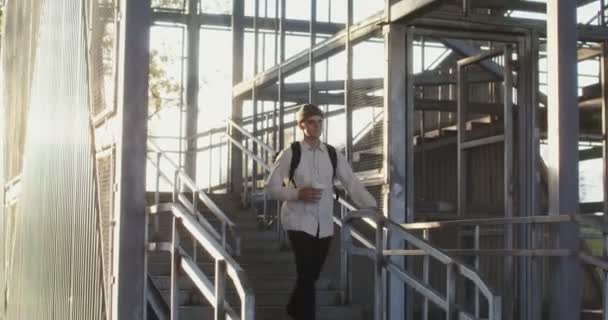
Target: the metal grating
(102, 53)
(105, 165)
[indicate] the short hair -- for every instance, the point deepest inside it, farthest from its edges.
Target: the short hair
(306, 111)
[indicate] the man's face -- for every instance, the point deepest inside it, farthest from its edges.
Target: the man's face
(312, 127)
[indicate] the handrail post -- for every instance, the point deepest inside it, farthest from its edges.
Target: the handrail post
(220, 289)
(425, 275)
(194, 200)
(495, 312)
(224, 234)
(175, 261)
(477, 265)
(157, 191)
(450, 295)
(345, 272)
(175, 185)
(379, 278)
(210, 150)
(194, 207)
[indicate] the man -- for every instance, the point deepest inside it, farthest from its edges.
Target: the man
(302, 177)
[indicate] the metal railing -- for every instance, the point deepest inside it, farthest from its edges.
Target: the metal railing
(381, 256)
(202, 233)
(380, 223)
(536, 226)
(181, 181)
(183, 263)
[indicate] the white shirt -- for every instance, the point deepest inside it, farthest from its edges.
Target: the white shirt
(314, 169)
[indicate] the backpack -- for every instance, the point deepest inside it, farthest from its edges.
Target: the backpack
(296, 154)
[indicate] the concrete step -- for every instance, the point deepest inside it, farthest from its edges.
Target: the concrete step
(262, 298)
(262, 283)
(164, 268)
(278, 313)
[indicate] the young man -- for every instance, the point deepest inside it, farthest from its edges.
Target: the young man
(306, 187)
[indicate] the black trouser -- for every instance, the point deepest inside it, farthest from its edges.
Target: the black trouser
(310, 253)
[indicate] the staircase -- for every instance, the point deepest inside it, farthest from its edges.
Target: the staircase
(270, 269)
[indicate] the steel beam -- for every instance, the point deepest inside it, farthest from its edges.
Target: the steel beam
(466, 50)
(265, 24)
(238, 37)
(281, 75)
(509, 179)
(398, 10)
(604, 83)
(312, 34)
(129, 254)
(498, 25)
(192, 89)
(348, 81)
(563, 130)
(530, 298)
(398, 148)
(504, 5)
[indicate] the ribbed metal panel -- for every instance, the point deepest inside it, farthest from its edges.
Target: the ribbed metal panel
(56, 270)
(438, 180)
(21, 27)
(3, 229)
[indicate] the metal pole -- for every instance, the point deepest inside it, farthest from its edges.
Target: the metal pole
(528, 144)
(348, 108)
(508, 183)
(220, 289)
(157, 192)
(210, 166)
(175, 261)
(234, 170)
(477, 265)
(345, 271)
(311, 59)
(254, 131)
(603, 12)
(462, 97)
(379, 289)
(129, 254)
(192, 85)
(275, 143)
(563, 133)
(425, 276)
(604, 84)
(398, 111)
(451, 312)
(282, 76)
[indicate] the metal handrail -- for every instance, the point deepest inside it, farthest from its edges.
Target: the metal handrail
(231, 124)
(225, 266)
(446, 302)
(495, 304)
(181, 176)
(587, 220)
(370, 125)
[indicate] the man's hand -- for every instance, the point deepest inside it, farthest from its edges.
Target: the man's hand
(309, 194)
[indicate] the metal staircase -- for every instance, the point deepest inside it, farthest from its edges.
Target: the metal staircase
(446, 297)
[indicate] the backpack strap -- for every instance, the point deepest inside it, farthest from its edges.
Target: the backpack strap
(333, 156)
(296, 154)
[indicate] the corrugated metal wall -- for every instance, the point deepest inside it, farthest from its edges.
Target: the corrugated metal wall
(438, 182)
(56, 270)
